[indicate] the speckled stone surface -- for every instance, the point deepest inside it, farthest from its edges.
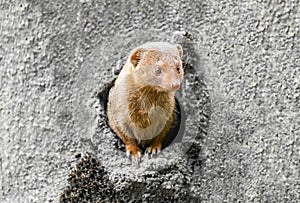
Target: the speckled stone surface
(241, 98)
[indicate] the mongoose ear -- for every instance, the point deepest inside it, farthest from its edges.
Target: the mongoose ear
(180, 51)
(135, 56)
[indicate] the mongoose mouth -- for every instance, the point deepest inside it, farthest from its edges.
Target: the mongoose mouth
(167, 89)
(174, 88)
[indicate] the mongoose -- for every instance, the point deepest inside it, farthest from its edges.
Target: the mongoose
(141, 102)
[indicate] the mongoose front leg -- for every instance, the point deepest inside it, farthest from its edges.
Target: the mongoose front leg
(132, 150)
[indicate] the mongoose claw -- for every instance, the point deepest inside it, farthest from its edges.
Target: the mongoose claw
(137, 159)
(153, 150)
(134, 153)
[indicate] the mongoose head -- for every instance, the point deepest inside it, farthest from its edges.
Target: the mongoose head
(157, 64)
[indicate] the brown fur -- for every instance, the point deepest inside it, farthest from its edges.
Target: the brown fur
(142, 100)
(139, 90)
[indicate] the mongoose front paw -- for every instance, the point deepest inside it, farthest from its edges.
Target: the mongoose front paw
(154, 148)
(133, 152)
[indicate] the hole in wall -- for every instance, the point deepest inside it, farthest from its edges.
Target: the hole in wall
(193, 99)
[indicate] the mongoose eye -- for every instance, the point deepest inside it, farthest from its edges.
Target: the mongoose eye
(157, 70)
(178, 69)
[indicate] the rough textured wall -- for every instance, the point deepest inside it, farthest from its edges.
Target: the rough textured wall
(55, 56)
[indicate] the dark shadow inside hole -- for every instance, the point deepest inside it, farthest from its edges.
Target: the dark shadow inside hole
(175, 133)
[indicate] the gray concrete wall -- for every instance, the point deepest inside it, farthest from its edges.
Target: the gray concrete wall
(56, 55)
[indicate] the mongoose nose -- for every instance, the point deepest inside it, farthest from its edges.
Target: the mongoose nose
(175, 86)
